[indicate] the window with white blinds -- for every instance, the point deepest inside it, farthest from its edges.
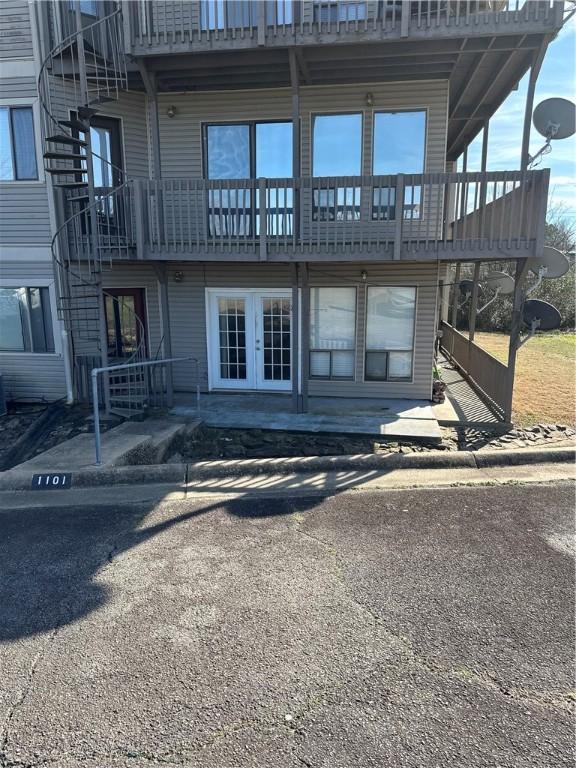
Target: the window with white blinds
(332, 333)
(390, 321)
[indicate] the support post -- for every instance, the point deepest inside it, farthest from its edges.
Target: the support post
(295, 82)
(161, 270)
(455, 294)
(474, 303)
(515, 328)
(534, 72)
(295, 346)
(305, 334)
(139, 216)
(261, 34)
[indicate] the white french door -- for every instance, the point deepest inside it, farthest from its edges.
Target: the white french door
(249, 339)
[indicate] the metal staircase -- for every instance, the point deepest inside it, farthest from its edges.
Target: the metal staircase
(84, 69)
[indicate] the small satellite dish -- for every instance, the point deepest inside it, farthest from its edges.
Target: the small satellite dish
(553, 260)
(555, 118)
(541, 315)
(466, 287)
(499, 281)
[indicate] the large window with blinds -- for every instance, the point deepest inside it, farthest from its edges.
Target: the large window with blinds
(332, 333)
(390, 322)
(17, 145)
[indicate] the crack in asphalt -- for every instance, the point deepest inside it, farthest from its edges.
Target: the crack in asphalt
(21, 698)
(464, 674)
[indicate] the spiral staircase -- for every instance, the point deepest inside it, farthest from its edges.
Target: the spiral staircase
(85, 69)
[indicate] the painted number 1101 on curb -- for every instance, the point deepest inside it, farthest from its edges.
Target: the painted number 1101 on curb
(51, 481)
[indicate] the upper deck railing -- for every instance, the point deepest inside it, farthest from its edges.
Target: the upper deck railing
(156, 26)
(426, 216)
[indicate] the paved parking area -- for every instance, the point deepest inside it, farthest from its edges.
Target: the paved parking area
(422, 628)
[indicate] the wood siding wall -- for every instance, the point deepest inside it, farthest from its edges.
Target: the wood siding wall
(188, 315)
(15, 30)
(26, 375)
(181, 136)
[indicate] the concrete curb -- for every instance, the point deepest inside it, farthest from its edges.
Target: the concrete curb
(181, 474)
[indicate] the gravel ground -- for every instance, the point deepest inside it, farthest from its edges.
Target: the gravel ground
(408, 629)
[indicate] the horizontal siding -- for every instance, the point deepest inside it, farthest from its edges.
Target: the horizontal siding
(17, 87)
(131, 109)
(24, 214)
(188, 317)
(181, 136)
(31, 376)
(15, 29)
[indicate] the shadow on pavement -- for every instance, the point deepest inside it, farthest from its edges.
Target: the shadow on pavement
(48, 557)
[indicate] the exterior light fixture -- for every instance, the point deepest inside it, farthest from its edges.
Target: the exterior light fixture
(364, 275)
(369, 99)
(171, 111)
(178, 276)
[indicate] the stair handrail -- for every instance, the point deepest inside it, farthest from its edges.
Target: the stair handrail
(113, 369)
(64, 269)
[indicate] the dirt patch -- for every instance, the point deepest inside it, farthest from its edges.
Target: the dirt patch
(25, 431)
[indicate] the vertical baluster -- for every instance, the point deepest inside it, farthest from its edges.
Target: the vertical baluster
(522, 191)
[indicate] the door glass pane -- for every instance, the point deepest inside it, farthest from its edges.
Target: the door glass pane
(6, 165)
(276, 339)
(122, 326)
(232, 338)
(102, 147)
(390, 318)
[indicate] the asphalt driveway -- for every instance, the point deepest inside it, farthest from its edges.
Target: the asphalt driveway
(425, 628)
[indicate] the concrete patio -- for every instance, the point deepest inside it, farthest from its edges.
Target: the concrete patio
(410, 419)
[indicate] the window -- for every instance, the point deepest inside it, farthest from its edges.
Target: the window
(399, 147)
(332, 333)
(17, 146)
(239, 14)
(249, 151)
(390, 320)
(25, 320)
(343, 10)
(336, 151)
(87, 7)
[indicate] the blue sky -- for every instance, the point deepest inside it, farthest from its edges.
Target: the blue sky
(557, 78)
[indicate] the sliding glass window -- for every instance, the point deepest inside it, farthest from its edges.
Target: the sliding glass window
(399, 141)
(242, 151)
(332, 333)
(25, 320)
(390, 321)
(336, 152)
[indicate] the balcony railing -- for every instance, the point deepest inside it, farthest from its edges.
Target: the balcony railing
(437, 215)
(205, 24)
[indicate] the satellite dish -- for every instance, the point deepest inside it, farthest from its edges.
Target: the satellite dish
(552, 260)
(466, 287)
(500, 282)
(541, 315)
(555, 118)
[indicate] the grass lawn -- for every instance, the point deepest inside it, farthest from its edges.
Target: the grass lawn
(545, 384)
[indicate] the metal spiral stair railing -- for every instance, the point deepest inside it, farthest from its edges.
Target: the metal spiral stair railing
(87, 68)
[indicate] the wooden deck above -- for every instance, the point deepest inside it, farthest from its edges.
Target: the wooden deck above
(447, 217)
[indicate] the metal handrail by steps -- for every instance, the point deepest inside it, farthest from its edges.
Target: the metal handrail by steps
(88, 67)
(159, 396)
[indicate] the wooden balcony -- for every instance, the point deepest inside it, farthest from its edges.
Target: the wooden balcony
(156, 27)
(442, 216)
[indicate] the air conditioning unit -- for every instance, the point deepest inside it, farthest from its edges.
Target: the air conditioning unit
(3, 407)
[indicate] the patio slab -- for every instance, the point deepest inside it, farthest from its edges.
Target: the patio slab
(413, 419)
